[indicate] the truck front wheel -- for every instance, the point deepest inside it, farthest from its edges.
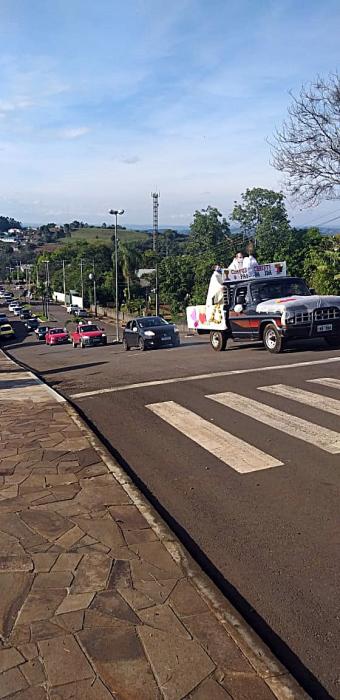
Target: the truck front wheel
(333, 341)
(272, 339)
(218, 340)
(75, 345)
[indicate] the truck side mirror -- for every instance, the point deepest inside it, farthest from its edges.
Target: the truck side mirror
(312, 290)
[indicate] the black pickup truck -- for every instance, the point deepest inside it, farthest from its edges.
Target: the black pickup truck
(274, 311)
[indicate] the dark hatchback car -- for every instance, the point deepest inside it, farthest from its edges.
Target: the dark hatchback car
(40, 332)
(150, 332)
(31, 324)
(25, 314)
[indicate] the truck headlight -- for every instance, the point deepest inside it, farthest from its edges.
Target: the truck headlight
(149, 333)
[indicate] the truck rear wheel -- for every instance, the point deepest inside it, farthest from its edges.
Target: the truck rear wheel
(218, 340)
(272, 339)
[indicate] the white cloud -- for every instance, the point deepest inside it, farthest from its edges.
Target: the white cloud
(14, 104)
(73, 132)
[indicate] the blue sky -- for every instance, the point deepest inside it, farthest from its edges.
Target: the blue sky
(103, 102)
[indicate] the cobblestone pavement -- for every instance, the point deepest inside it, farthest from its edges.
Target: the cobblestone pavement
(92, 604)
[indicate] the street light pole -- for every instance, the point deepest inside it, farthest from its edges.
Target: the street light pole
(115, 213)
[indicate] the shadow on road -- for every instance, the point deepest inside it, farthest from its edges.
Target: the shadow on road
(14, 345)
(70, 368)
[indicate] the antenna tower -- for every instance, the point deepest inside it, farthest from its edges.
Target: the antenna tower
(155, 204)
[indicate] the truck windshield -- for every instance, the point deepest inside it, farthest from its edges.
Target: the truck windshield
(278, 289)
(88, 328)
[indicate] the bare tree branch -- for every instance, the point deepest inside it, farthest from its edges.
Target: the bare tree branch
(307, 147)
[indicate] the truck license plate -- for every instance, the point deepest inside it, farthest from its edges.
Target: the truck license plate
(325, 327)
(166, 337)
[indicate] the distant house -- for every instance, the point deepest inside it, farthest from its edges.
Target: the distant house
(144, 274)
(143, 271)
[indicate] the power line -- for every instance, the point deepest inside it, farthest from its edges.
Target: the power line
(315, 223)
(322, 223)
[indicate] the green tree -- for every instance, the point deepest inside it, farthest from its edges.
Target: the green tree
(207, 231)
(322, 265)
(176, 278)
(258, 204)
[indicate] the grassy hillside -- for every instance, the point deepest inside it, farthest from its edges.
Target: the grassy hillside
(104, 235)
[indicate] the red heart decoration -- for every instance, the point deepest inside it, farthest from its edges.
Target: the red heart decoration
(202, 318)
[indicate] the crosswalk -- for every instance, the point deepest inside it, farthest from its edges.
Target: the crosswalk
(240, 455)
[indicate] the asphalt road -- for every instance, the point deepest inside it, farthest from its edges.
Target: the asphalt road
(271, 534)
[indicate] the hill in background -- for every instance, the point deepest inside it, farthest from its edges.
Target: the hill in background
(103, 235)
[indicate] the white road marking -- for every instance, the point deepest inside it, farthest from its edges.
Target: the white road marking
(307, 398)
(327, 381)
(323, 438)
(195, 377)
(229, 449)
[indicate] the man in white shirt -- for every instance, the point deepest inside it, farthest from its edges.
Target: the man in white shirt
(238, 263)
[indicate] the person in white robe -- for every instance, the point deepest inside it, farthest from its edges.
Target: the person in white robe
(215, 291)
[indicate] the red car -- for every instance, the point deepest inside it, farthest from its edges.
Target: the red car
(87, 334)
(55, 336)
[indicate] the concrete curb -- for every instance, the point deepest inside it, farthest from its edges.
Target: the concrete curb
(280, 682)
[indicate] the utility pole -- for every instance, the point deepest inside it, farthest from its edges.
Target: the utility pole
(47, 284)
(115, 213)
(82, 281)
(94, 289)
(155, 197)
(92, 277)
(64, 282)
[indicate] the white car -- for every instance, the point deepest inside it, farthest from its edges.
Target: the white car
(17, 309)
(12, 305)
(72, 309)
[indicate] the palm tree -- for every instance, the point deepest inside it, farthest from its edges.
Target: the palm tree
(129, 257)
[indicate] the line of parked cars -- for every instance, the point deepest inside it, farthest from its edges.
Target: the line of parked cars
(6, 330)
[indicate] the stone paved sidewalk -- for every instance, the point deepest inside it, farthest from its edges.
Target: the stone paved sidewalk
(92, 604)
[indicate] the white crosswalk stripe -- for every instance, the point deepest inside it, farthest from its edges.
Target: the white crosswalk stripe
(293, 426)
(228, 448)
(307, 398)
(326, 381)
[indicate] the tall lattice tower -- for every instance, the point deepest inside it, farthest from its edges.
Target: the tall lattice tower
(155, 204)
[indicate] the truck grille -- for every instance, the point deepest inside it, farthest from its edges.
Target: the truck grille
(303, 317)
(327, 314)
